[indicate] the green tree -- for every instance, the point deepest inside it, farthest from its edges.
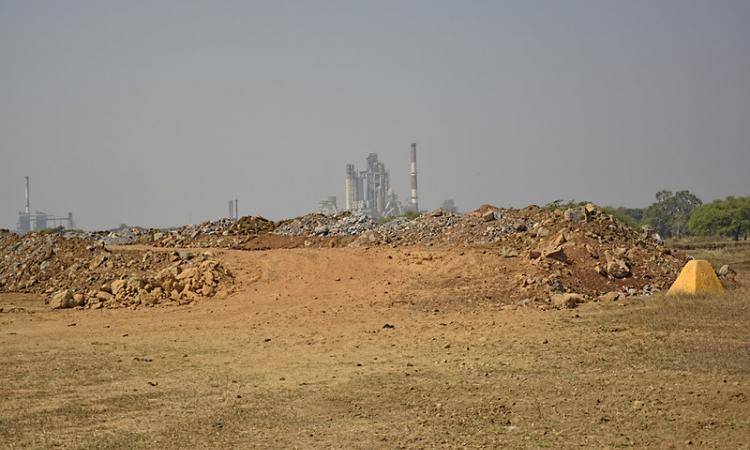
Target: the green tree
(631, 216)
(729, 217)
(670, 215)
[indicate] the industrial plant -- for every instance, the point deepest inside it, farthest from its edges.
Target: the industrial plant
(369, 191)
(37, 221)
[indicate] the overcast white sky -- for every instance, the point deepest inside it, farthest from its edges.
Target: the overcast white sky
(156, 113)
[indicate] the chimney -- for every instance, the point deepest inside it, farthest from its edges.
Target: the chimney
(414, 201)
(28, 205)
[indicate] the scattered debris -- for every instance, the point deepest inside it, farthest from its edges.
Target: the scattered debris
(73, 272)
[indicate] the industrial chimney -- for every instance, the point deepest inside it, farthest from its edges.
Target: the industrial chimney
(28, 205)
(414, 201)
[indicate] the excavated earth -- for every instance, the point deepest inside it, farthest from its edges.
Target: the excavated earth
(532, 256)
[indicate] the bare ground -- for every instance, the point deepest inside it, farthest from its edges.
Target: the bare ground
(301, 357)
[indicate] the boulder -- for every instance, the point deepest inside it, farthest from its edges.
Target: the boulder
(508, 252)
(489, 216)
(62, 299)
(556, 253)
(559, 240)
(569, 300)
(117, 286)
(207, 290)
(208, 277)
(727, 272)
(608, 297)
(79, 299)
(104, 296)
(185, 255)
(135, 283)
(190, 272)
(617, 265)
(618, 268)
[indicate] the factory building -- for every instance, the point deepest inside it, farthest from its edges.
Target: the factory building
(37, 221)
(329, 206)
(369, 191)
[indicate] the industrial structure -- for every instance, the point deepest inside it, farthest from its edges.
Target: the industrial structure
(234, 209)
(413, 172)
(369, 191)
(28, 221)
(329, 206)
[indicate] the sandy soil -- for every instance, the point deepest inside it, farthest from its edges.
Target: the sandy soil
(376, 348)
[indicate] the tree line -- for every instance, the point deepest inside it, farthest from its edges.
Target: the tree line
(681, 214)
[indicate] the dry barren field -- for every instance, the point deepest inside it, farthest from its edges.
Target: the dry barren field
(376, 348)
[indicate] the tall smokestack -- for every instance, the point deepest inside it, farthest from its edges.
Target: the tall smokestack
(231, 209)
(28, 204)
(236, 209)
(414, 198)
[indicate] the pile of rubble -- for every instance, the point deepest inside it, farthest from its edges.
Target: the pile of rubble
(445, 227)
(223, 233)
(340, 224)
(581, 250)
(78, 272)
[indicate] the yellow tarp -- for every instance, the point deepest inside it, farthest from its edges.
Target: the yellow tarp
(696, 278)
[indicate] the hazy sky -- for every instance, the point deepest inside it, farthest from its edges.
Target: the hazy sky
(156, 113)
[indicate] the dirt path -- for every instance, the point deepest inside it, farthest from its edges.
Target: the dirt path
(376, 348)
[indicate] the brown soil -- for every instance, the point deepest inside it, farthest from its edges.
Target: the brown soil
(376, 348)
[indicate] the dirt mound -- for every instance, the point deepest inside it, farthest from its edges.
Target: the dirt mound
(578, 250)
(542, 256)
(78, 272)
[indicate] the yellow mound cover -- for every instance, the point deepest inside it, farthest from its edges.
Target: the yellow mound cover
(697, 277)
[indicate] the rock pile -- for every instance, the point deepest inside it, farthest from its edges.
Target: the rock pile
(586, 252)
(341, 224)
(223, 233)
(444, 227)
(78, 272)
(581, 251)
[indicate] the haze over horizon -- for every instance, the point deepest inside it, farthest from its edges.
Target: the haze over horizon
(157, 113)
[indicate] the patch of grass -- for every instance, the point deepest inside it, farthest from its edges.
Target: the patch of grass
(718, 251)
(696, 334)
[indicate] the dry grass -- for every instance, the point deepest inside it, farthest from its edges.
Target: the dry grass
(298, 372)
(657, 372)
(718, 251)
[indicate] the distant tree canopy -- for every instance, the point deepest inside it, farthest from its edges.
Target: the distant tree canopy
(670, 215)
(562, 204)
(729, 217)
(631, 216)
(678, 214)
